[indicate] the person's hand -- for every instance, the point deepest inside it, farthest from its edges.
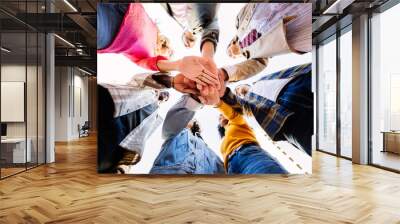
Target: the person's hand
(223, 78)
(234, 50)
(201, 70)
(213, 68)
(188, 39)
(184, 85)
(212, 97)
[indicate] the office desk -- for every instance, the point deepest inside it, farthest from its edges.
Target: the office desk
(391, 141)
(13, 150)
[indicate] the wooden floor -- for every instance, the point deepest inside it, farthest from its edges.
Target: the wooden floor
(10, 171)
(70, 191)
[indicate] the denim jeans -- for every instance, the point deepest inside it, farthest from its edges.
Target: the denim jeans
(187, 154)
(109, 18)
(298, 98)
(252, 159)
(298, 130)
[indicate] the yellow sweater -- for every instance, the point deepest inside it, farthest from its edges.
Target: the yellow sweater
(237, 131)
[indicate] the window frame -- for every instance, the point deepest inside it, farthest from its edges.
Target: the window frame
(334, 37)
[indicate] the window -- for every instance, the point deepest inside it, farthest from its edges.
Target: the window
(346, 74)
(385, 89)
(327, 97)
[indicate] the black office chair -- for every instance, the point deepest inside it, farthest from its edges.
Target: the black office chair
(84, 130)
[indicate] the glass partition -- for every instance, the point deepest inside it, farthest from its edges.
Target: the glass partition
(346, 94)
(31, 100)
(41, 97)
(327, 96)
(385, 90)
(22, 78)
(14, 145)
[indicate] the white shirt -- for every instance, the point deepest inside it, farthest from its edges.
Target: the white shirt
(129, 98)
(180, 10)
(269, 89)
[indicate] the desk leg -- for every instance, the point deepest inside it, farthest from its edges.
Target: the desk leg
(384, 143)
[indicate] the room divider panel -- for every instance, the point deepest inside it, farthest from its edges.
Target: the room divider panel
(22, 77)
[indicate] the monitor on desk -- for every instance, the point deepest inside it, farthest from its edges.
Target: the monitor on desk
(3, 130)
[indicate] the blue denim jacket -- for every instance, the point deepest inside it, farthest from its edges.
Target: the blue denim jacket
(182, 152)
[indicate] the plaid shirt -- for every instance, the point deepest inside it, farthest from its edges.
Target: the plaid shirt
(269, 114)
(139, 93)
(128, 99)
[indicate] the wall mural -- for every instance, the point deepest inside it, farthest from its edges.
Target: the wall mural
(204, 88)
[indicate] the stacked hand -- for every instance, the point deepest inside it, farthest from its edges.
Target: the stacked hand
(184, 85)
(199, 69)
(211, 95)
(209, 86)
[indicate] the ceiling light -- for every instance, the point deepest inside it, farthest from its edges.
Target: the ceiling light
(338, 6)
(5, 50)
(84, 71)
(79, 51)
(70, 5)
(64, 40)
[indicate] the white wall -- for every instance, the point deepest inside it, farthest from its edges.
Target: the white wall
(62, 83)
(33, 126)
(80, 111)
(16, 73)
(71, 94)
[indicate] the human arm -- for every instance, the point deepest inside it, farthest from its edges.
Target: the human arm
(234, 117)
(207, 13)
(179, 116)
(167, 65)
(272, 43)
(199, 69)
(245, 69)
(161, 80)
(209, 40)
(158, 80)
(157, 63)
(208, 49)
(126, 98)
(270, 115)
(194, 67)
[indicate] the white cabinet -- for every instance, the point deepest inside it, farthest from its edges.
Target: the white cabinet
(16, 149)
